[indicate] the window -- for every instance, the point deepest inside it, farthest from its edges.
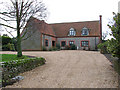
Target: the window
(63, 43)
(85, 31)
(72, 32)
(46, 42)
(84, 43)
(71, 43)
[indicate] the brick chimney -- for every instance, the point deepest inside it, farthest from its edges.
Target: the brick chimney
(100, 28)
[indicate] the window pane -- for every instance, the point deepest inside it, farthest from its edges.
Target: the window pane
(72, 33)
(85, 31)
(63, 43)
(71, 42)
(84, 43)
(46, 42)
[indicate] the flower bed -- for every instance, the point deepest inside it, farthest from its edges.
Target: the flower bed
(11, 69)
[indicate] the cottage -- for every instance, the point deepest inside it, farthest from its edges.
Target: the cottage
(38, 34)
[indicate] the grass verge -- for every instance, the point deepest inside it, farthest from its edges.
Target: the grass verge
(11, 57)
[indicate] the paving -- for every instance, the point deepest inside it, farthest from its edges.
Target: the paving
(69, 69)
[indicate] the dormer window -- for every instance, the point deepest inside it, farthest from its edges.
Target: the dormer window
(85, 31)
(72, 32)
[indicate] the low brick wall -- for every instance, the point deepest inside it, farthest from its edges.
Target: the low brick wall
(13, 68)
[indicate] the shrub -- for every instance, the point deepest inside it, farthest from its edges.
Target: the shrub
(67, 47)
(73, 47)
(44, 49)
(11, 47)
(116, 65)
(5, 48)
(50, 49)
(8, 47)
(6, 40)
(15, 67)
(53, 49)
(103, 47)
(58, 46)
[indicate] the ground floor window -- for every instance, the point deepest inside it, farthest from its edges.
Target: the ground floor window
(84, 43)
(46, 42)
(71, 43)
(63, 43)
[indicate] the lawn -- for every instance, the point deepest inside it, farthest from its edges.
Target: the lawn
(10, 57)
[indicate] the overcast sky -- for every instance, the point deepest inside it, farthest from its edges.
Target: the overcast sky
(81, 10)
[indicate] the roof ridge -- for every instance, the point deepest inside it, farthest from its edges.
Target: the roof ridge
(73, 22)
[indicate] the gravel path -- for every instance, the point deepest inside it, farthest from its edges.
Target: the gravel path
(69, 69)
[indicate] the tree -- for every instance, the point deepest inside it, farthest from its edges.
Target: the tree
(20, 11)
(114, 43)
(104, 35)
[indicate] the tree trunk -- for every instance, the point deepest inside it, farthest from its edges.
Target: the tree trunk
(19, 50)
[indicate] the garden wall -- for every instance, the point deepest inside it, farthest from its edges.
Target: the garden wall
(13, 68)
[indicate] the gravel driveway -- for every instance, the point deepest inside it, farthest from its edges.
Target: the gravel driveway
(69, 69)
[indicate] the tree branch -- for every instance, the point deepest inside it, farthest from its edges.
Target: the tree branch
(6, 20)
(9, 32)
(7, 26)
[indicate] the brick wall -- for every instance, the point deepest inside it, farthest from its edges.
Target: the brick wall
(33, 42)
(77, 41)
(49, 38)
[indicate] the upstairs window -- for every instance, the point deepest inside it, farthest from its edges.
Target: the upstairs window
(72, 32)
(85, 31)
(46, 42)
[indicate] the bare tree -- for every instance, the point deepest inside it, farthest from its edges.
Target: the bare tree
(104, 35)
(17, 13)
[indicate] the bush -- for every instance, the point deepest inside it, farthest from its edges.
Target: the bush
(58, 46)
(73, 47)
(44, 49)
(53, 49)
(67, 47)
(11, 47)
(5, 48)
(8, 47)
(15, 67)
(116, 64)
(6, 40)
(103, 47)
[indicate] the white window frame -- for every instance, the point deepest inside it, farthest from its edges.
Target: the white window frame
(72, 32)
(85, 31)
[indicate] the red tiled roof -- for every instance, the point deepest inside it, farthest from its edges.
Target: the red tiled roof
(62, 29)
(41, 26)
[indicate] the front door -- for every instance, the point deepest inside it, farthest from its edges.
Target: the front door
(53, 43)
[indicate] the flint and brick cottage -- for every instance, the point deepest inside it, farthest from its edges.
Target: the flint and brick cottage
(38, 34)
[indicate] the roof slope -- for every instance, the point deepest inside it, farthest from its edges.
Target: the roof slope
(62, 29)
(41, 26)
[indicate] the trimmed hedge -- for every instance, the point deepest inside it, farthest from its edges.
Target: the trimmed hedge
(13, 68)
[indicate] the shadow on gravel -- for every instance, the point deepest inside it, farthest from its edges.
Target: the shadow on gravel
(112, 59)
(109, 57)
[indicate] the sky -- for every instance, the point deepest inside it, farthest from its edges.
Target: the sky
(81, 10)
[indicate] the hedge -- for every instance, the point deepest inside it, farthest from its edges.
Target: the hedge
(103, 47)
(13, 68)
